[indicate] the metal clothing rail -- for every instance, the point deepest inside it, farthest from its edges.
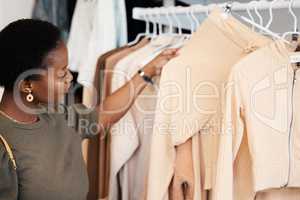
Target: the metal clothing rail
(140, 13)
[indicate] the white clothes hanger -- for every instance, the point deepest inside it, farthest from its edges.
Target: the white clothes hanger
(295, 31)
(145, 34)
(160, 25)
(170, 24)
(194, 18)
(173, 11)
(271, 14)
(190, 20)
(261, 22)
(152, 18)
(267, 31)
(251, 17)
(182, 37)
(179, 25)
(190, 13)
(170, 32)
(262, 28)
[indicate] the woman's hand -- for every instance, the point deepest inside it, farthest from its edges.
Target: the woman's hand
(154, 68)
(130, 91)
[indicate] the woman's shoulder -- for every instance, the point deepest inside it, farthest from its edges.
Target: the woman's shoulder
(8, 172)
(5, 161)
(6, 154)
(3, 155)
(75, 116)
(64, 111)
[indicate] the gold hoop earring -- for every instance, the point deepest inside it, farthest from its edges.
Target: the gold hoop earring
(29, 96)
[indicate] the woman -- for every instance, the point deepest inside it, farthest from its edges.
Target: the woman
(45, 146)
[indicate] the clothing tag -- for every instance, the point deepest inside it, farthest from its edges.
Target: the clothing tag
(295, 58)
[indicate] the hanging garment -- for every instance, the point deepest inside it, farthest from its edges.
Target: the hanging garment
(107, 33)
(97, 27)
(112, 60)
(97, 151)
(110, 63)
(183, 173)
(94, 32)
(96, 155)
(190, 172)
(54, 11)
(262, 104)
(121, 154)
(130, 137)
(189, 98)
(80, 33)
(121, 22)
(279, 194)
(12, 10)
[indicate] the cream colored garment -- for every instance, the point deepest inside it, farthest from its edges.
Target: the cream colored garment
(281, 194)
(189, 98)
(131, 136)
(105, 87)
(260, 105)
(97, 150)
(104, 162)
(184, 172)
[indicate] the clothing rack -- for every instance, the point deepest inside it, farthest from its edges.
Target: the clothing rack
(161, 15)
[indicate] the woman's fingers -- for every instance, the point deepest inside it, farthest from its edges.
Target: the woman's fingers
(170, 52)
(156, 65)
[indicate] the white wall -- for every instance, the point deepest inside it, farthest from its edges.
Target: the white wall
(11, 10)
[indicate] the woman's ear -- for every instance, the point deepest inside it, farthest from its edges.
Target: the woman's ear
(26, 86)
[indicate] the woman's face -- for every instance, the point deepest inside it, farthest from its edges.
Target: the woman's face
(56, 80)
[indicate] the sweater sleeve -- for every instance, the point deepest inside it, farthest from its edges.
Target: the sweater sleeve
(230, 139)
(8, 177)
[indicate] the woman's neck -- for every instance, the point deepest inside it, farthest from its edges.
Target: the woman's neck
(10, 108)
